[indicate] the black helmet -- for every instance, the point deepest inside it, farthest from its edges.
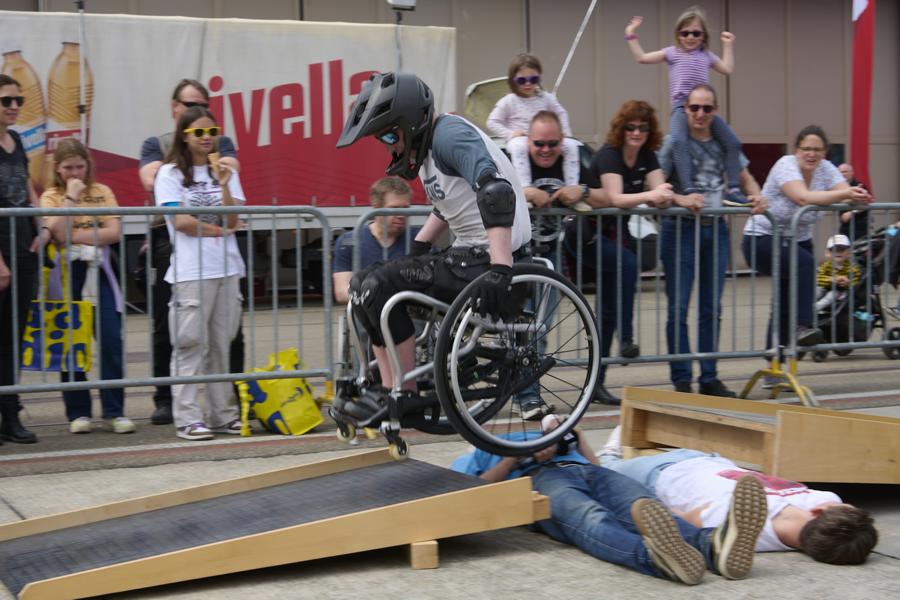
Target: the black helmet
(394, 100)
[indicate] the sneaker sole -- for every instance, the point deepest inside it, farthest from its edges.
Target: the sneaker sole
(736, 204)
(745, 520)
(194, 438)
(668, 550)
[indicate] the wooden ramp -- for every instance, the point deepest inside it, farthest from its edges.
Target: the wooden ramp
(351, 504)
(792, 442)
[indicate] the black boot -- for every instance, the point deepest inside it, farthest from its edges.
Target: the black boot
(11, 428)
(163, 413)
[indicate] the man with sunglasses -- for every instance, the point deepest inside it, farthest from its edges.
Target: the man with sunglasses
(678, 247)
(476, 195)
(187, 94)
(548, 183)
(20, 240)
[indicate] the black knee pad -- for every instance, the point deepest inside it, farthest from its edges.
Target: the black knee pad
(373, 293)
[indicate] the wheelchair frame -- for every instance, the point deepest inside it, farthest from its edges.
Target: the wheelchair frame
(454, 415)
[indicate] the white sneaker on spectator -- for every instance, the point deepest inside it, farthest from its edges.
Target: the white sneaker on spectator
(80, 425)
(121, 425)
(613, 446)
(195, 431)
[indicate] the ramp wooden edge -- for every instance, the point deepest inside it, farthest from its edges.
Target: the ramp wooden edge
(842, 449)
(482, 508)
(206, 491)
(735, 404)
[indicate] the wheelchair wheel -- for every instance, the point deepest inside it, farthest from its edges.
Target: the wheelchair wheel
(892, 335)
(550, 347)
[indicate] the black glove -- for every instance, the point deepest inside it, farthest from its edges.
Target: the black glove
(417, 248)
(490, 294)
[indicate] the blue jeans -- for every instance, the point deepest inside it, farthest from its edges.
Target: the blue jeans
(678, 248)
(646, 469)
(615, 258)
(533, 392)
(109, 322)
(806, 280)
(590, 507)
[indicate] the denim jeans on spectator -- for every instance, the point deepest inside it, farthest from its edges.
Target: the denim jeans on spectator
(646, 469)
(806, 280)
(591, 508)
(678, 247)
(108, 321)
(614, 258)
(533, 392)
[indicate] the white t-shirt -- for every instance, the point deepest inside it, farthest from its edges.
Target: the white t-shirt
(195, 257)
(782, 208)
(691, 483)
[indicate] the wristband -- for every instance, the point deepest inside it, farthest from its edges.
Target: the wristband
(585, 192)
(630, 36)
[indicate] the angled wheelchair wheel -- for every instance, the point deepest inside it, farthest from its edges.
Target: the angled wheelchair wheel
(549, 349)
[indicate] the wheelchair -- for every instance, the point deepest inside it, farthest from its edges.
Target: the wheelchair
(471, 368)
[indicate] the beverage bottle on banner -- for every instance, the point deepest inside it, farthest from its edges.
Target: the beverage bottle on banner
(63, 97)
(32, 123)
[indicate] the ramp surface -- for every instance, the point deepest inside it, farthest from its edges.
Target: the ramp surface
(114, 541)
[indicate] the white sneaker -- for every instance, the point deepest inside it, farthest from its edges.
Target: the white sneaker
(613, 446)
(121, 425)
(195, 431)
(80, 425)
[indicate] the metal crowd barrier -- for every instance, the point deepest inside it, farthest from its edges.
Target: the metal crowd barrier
(744, 299)
(285, 324)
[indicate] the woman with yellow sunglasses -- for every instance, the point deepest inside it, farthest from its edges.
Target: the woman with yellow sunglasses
(204, 271)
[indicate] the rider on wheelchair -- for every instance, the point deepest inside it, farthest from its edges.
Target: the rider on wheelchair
(476, 196)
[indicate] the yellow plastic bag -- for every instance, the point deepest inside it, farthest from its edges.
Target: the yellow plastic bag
(284, 406)
(58, 332)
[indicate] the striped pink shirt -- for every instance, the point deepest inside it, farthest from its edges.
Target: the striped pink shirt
(687, 69)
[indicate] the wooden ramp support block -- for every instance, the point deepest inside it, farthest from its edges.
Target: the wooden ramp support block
(423, 555)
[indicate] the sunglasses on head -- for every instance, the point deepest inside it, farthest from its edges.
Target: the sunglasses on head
(533, 80)
(643, 127)
(8, 100)
(201, 131)
(193, 104)
(686, 33)
(707, 108)
(389, 137)
(548, 143)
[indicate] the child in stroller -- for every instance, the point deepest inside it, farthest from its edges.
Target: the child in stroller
(850, 278)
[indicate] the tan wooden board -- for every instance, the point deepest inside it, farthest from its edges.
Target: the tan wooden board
(417, 523)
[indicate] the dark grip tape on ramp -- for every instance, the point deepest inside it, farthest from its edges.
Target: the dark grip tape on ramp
(75, 549)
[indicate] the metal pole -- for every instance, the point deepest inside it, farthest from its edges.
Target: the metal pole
(584, 22)
(82, 111)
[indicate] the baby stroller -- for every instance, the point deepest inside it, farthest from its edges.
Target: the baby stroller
(855, 314)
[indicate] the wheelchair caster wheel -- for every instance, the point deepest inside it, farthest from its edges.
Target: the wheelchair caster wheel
(346, 432)
(371, 434)
(399, 451)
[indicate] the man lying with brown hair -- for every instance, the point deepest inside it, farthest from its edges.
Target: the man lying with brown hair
(697, 486)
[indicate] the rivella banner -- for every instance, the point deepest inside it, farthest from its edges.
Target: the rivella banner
(280, 89)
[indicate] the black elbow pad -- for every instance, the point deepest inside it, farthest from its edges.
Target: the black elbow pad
(496, 201)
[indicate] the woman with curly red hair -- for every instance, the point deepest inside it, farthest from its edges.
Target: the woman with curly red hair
(627, 168)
